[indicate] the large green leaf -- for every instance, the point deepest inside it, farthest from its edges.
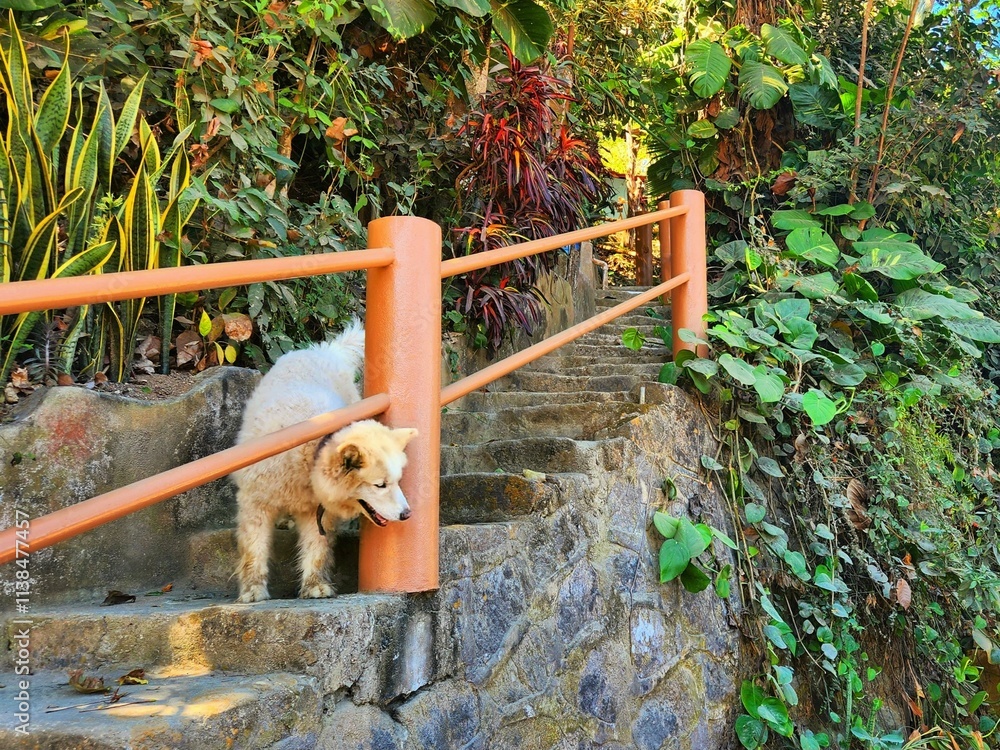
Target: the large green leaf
(708, 67)
(126, 118)
(402, 18)
(817, 106)
(902, 264)
(917, 304)
(28, 5)
(761, 84)
(781, 45)
(674, 558)
(524, 25)
(985, 330)
(813, 244)
(793, 218)
(476, 8)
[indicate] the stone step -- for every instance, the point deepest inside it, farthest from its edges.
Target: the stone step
(340, 639)
(490, 497)
(212, 559)
(638, 317)
(193, 711)
(648, 370)
(615, 350)
(623, 356)
(544, 454)
(546, 382)
(557, 420)
(499, 400)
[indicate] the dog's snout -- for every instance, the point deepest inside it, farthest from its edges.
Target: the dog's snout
(405, 514)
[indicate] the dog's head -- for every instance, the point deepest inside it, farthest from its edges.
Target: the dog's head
(358, 471)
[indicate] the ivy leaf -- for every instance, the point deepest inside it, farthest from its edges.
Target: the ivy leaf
(770, 467)
(674, 558)
(694, 579)
(751, 732)
(819, 407)
(665, 524)
(754, 513)
(781, 45)
(775, 714)
(738, 369)
(862, 210)
(691, 538)
(800, 333)
(633, 339)
(711, 464)
(668, 373)
(751, 696)
(708, 67)
(769, 387)
(847, 375)
(706, 367)
(762, 85)
(796, 561)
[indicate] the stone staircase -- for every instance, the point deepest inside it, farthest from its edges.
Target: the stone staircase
(549, 629)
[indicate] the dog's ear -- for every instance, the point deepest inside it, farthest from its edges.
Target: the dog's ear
(404, 436)
(352, 456)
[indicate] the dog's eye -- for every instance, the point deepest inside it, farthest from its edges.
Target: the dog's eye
(381, 485)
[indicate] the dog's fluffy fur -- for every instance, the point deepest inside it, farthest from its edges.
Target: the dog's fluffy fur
(354, 471)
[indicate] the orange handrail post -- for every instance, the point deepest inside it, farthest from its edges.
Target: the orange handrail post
(664, 232)
(688, 253)
(403, 359)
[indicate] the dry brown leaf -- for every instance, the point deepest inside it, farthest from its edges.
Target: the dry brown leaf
(117, 597)
(20, 380)
(100, 378)
(239, 327)
(958, 133)
(135, 677)
(783, 183)
(10, 394)
(168, 588)
(801, 446)
(857, 514)
(914, 736)
(914, 707)
(978, 737)
(83, 684)
(903, 593)
(189, 348)
(65, 379)
(149, 348)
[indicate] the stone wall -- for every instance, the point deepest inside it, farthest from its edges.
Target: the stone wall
(554, 632)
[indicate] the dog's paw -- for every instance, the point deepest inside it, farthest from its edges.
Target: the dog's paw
(254, 594)
(317, 591)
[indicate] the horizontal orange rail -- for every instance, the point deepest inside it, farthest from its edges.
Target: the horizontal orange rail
(55, 294)
(89, 514)
(487, 375)
(524, 249)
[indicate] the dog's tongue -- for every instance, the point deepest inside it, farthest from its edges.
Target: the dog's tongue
(378, 519)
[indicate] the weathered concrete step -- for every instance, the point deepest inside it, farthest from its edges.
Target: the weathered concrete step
(212, 558)
(558, 420)
(341, 639)
(544, 454)
(646, 329)
(188, 712)
(545, 382)
(482, 497)
(623, 356)
(640, 318)
(498, 400)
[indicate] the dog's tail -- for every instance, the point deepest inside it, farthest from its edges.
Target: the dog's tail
(351, 342)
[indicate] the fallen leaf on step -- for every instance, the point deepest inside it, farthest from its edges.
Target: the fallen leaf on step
(135, 677)
(168, 588)
(117, 597)
(529, 474)
(83, 684)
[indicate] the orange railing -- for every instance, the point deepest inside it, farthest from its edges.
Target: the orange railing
(402, 365)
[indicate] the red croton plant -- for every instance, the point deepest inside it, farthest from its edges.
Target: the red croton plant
(528, 177)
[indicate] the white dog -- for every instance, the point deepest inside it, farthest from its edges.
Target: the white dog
(338, 477)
